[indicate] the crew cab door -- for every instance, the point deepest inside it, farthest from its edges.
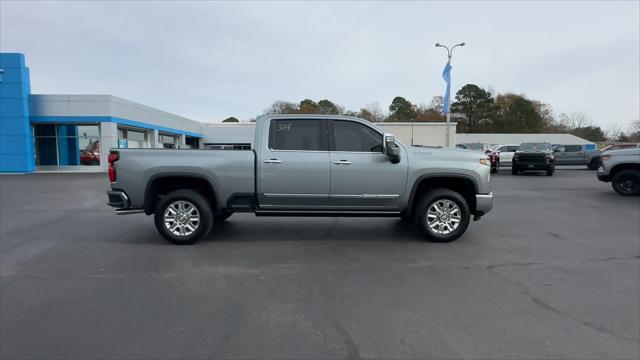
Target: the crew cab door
(362, 177)
(293, 167)
(570, 155)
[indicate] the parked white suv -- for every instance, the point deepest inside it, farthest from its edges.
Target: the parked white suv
(506, 152)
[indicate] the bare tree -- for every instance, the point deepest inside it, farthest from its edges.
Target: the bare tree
(576, 120)
(614, 133)
(372, 112)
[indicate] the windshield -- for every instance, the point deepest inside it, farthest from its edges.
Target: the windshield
(535, 147)
(473, 146)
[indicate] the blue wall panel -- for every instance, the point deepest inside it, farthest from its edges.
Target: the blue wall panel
(16, 148)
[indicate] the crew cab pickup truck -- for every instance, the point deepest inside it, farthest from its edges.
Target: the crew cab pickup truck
(622, 169)
(303, 165)
(585, 154)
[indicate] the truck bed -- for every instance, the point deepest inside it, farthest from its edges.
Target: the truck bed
(229, 171)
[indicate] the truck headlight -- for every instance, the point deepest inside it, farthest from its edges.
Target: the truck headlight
(485, 162)
(605, 157)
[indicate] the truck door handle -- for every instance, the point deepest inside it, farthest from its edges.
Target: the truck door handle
(273, 161)
(342, 162)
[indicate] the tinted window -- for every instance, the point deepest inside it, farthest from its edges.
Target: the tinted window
(353, 136)
(296, 135)
(572, 148)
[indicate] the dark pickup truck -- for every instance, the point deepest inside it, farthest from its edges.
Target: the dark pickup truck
(533, 156)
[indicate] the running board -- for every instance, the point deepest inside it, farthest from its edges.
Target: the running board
(129, 211)
(315, 213)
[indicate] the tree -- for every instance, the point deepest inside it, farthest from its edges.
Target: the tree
(576, 120)
(327, 107)
(231, 119)
(581, 125)
(431, 113)
(591, 133)
(308, 106)
(281, 107)
(474, 107)
(372, 112)
(401, 110)
(634, 131)
(515, 114)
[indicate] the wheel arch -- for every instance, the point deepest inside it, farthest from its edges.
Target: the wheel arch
(466, 185)
(159, 184)
(624, 166)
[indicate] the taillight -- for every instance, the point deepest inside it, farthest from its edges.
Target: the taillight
(113, 157)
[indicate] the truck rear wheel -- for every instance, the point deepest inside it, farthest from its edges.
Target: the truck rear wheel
(183, 217)
(626, 182)
(594, 164)
(443, 215)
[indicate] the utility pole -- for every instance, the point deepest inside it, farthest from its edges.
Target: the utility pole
(448, 94)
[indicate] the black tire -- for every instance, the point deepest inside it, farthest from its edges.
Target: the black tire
(514, 171)
(594, 164)
(222, 217)
(433, 196)
(626, 182)
(199, 202)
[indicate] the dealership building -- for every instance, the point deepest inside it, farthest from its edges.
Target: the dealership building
(60, 132)
(75, 132)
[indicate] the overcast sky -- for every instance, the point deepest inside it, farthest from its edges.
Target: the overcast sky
(211, 60)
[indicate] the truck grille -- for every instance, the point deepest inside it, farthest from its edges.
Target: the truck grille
(531, 157)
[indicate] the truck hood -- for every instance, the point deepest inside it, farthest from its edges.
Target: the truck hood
(424, 153)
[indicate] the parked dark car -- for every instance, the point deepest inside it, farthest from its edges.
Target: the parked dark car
(533, 156)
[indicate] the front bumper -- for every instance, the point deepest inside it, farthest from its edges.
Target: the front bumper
(484, 204)
(602, 175)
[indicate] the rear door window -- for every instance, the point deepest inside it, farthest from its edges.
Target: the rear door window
(572, 148)
(298, 134)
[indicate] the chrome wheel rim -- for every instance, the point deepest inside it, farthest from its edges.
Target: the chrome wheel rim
(443, 216)
(181, 218)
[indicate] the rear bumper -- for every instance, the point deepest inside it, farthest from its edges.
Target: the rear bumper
(484, 204)
(118, 199)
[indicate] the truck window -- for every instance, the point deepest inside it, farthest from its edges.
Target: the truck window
(292, 134)
(572, 148)
(353, 136)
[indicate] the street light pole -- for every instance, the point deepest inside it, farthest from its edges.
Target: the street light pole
(449, 54)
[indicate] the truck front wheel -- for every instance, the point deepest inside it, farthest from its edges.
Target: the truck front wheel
(443, 215)
(183, 217)
(626, 182)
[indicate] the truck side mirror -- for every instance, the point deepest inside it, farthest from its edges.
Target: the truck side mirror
(390, 148)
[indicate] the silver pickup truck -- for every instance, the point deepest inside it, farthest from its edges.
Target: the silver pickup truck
(622, 169)
(303, 165)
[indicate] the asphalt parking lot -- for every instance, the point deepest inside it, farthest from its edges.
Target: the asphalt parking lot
(552, 272)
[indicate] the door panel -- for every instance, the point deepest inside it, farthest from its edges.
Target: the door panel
(294, 179)
(362, 177)
(366, 181)
(294, 171)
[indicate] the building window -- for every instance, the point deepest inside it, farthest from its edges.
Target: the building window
(167, 141)
(67, 144)
(192, 142)
(133, 139)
